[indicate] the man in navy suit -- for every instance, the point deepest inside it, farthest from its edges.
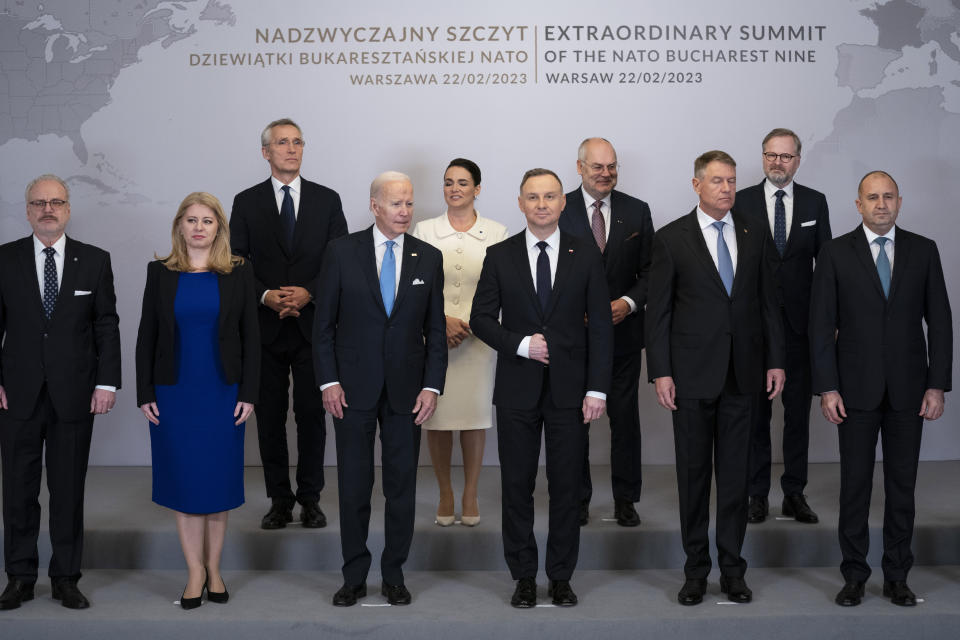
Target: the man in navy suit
(380, 353)
(59, 367)
(797, 222)
(878, 372)
(621, 227)
(283, 225)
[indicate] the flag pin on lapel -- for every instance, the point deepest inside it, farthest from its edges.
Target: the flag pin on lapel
(569, 250)
(413, 255)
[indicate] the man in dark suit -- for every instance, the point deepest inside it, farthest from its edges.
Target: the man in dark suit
(798, 223)
(542, 304)
(380, 352)
(283, 225)
(59, 366)
(714, 343)
(873, 290)
(621, 227)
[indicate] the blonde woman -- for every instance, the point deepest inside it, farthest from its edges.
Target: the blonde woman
(198, 368)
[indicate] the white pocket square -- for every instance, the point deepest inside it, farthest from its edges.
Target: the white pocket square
(417, 281)
(808, 223)
(79, 292)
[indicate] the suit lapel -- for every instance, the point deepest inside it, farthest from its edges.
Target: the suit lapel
(615, 237)
(745, 245)
(861, 248)
(268, 209)
(522, 267)
(169, 281)
(301, 228)
(798, 210)
(578, 213)
(699, 248)
(411, 256)
(71, 264)
(901, 256)
(29, 263)
(565, 258)
(367, 258)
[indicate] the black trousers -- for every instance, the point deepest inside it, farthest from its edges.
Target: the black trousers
(713, 435)
(797, 393)
(400, 453)
(518, 440)
(67, 451)
(290, 352)
(623, 408)
(900, 433)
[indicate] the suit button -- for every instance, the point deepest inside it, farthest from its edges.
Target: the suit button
(44, 334)
(456, 284)
(458, 267)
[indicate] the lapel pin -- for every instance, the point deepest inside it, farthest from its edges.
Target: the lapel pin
(570, 250)
(413, 255)
(74, 259)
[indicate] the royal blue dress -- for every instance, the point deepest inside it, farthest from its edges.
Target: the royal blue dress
(197, 450)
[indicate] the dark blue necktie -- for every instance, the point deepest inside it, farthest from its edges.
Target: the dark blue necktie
(543, 276)
(388, 277)
(883, 266)
(50, 286)
(724, 262)
(780, 222)
(288, 219)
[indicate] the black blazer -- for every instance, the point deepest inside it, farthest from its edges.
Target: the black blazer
(809, 231)
(694, 328)
(77, 349)
(879, 344)
(239, 332)
(256, 235)
(506, 309)
(626, 259)
(357, 344)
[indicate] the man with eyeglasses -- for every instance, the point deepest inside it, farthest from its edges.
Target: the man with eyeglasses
(621, 227)
(59, 367)
(283, 225)
(798, 222)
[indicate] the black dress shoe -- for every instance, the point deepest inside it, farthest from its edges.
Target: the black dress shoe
(348, 595)
(758, 509)
(851, 595)
(395, 593)
(899, 593)
(281, 512)
(16, 592)
(525, 595)
(562, 594)
(796, 507)
(312, 516)
(736, 589)
(220, 597)
(692, 591)
(65, 590)
(625, 513)
(584, 512)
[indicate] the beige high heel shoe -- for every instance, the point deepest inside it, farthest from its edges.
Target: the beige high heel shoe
(471, 521)
(444, 521)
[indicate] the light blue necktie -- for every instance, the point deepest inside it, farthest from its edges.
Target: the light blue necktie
(388, 277)
(883, 266)
(724, 262)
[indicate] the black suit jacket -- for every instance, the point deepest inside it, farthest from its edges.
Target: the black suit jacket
(626, 259)
(879, 344)
(809, 230)
(256, 235)
(238, 331)
(72, 352)
(694, 328)
(506, 309)
(357, 344)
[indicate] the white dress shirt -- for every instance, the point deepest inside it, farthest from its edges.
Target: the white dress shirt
(294, 193)
(533, 254)
(710, 236)
(41, 260)
(888, 246)
(770, 191)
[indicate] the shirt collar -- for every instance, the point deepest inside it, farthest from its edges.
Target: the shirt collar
(706, 221)
(379, 238)
(553, 240)
(589, 199)
(445, 229)
(58, 246)
(871, 236)
(770, 189)
(294, 184)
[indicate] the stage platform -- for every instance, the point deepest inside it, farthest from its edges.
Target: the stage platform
(282, 581)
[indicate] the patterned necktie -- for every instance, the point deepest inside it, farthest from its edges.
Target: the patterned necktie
(543, 276)
(388, 277)
(780, 222)
(724, 262)
(883, 266)
(50, 286)
(288, 220)
(598, 227)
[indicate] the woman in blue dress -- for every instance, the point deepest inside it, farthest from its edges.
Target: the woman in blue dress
(198, 368)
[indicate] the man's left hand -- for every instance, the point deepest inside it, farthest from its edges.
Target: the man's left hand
(932, 406)
(296, 299)
(102, 401)
(775, 380)
(425, 406)
(620, 310)
(592, 408)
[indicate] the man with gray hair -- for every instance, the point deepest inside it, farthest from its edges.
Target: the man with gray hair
(59, 367)
(283, 225)
(380, 355)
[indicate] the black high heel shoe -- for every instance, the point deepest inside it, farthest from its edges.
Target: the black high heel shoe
(190, 603)
(220, 597)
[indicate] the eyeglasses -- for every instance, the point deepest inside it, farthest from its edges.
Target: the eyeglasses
(56, 203)
(784, 157)
(598, 168)
(286, 142)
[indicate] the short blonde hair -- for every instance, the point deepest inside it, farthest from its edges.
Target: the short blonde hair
(221, 259)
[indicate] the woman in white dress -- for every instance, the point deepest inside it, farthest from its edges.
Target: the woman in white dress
(463, 237)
